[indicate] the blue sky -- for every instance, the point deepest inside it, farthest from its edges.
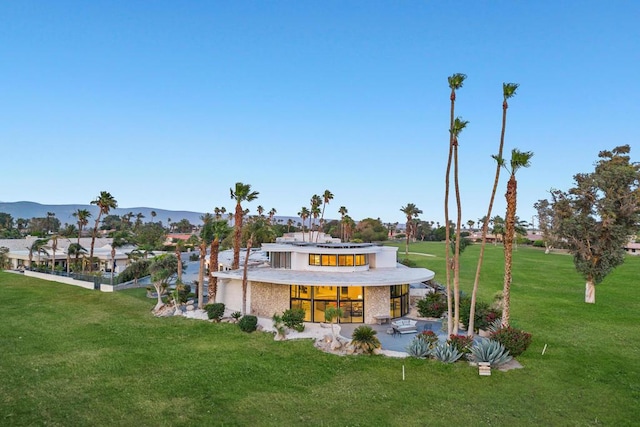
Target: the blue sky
(168, 104)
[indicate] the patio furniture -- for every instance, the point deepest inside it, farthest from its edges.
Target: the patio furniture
(405, 326)
(382, 318)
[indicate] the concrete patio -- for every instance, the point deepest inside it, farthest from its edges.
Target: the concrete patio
(396, 342)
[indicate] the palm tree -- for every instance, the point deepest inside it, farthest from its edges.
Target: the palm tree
(105, 203)
(153, 215)
(458, 126)
(260, 210)
(289, 224)
(205, 239)
(342, 211)
(508, 91)
(50, 215)
(76, 250)
(82, 216)
(455, 82)
(411, 211)
(314, 211)
(303, 214)
(272, 213)
(327, 196)
(244, 276)
(178, 251)
(38, 247)
(54, 247)
(241, 193)
(220, 230)
(519, 159)
(119, 240)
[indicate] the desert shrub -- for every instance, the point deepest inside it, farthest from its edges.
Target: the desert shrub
(248, 323)
(215, 311)
(278, 325)
(432, 305)
(485, 315)
(446, 353)
(182, 291)
(429, 337)
(465, 309)
(294, 318)
(364, 338)
(490, 351)
(418, 348)
(461, 342)
(539, 244)
(514, 340)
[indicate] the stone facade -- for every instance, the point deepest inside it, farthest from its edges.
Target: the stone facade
(376, 302)
(269, 298)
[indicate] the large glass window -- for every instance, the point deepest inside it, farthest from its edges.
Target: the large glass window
(338, 260)
(399, 300)
(315, 300)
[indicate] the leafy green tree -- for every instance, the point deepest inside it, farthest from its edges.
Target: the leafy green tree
(6, 222)
(599, 214)
(4, 257)
(182, 226)
(519, 159)
(162, 269)
(260, 229)
(105, 203)
(241, 193)
(370, 230)
(547, 224)
(151, 234)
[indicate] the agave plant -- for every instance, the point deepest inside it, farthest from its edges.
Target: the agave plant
(418, 348)
(495, 325)
(445, 352)
(490, 351)
(364, 338)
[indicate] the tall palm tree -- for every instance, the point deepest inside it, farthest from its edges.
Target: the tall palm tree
(327, 196)
(508, 91)
(82, 216)
(38, 247)
(54, 247)
(289, 224)
(260, 210)
(105, 203)
(241, 193)
(455, 82)
(244, 276)
(315, 213)
(153, 215)
(76, 250)
(519, 159)
(411, 211)
(458, 127)
(178, 251)
(342, 211)
(219, 230)
(303, 214)
(205, 240)
(272, 213)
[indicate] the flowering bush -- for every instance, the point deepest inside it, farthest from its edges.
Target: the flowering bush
(462, 342)
(514, 340)
(428, 337)
(432, 305)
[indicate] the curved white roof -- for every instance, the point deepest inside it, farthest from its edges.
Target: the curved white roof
(374, 277)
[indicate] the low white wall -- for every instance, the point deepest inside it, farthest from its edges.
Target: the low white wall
(60, 279)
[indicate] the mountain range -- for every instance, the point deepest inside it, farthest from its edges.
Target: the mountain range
(64, 213)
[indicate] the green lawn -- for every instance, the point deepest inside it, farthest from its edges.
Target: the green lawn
(70, 356)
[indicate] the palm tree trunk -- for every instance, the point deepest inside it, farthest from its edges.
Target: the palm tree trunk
(508, 248)
(456, 254)
(485, 226)
(244, 276)
(203, 254)
(213, 263)
(447, 238)
(237, 236)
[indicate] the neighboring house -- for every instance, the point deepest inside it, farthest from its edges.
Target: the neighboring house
(632, 248)
(364, 279)
(19, 253)
(172, 237)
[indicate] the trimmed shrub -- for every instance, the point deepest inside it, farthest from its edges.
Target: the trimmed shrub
(408, 262)
(294, 318)
(514, 340)
(364, 338)
(248, 323)
(432, 305)
(215, 311)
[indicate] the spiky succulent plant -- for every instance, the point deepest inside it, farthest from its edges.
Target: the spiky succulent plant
(490, 351)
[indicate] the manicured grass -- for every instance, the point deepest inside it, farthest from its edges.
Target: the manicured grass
(71, 356)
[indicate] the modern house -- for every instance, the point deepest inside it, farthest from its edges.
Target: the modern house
(363, 279)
